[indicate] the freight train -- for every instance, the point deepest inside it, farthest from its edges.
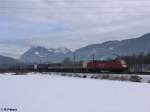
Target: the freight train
(116, 65)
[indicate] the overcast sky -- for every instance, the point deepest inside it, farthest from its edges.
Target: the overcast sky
(69, 23)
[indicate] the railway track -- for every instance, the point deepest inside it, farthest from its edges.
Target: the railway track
(70, 71)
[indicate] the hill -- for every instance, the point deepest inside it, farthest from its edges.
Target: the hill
(110, 49)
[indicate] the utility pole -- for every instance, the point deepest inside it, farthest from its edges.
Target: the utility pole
(74, 60)
(74, 57)
(93, 55)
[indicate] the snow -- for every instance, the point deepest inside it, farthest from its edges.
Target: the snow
(62, 50)
(59, 50)
(111, 48)
(38, 54)
(145, 78)
(53, 93)
(51, 50)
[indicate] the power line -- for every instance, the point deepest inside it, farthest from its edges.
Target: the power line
(73, 1)
(71, 6)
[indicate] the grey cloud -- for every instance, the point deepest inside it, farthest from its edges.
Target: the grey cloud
(12, 50)
(87, 21)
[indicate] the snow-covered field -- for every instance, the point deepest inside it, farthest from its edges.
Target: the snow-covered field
(51, 93)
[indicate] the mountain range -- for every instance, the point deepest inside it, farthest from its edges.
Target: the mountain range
(104, 50)
(111, 49)
(43, 55)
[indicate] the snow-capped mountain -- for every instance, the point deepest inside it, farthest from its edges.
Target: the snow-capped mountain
(43, 55)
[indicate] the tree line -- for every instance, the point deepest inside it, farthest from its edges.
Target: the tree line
(138, 63)
(137, 59)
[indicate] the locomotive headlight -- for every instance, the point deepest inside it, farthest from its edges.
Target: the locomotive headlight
(123, 64)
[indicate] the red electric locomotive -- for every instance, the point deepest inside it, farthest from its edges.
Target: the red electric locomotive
(117, 65)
